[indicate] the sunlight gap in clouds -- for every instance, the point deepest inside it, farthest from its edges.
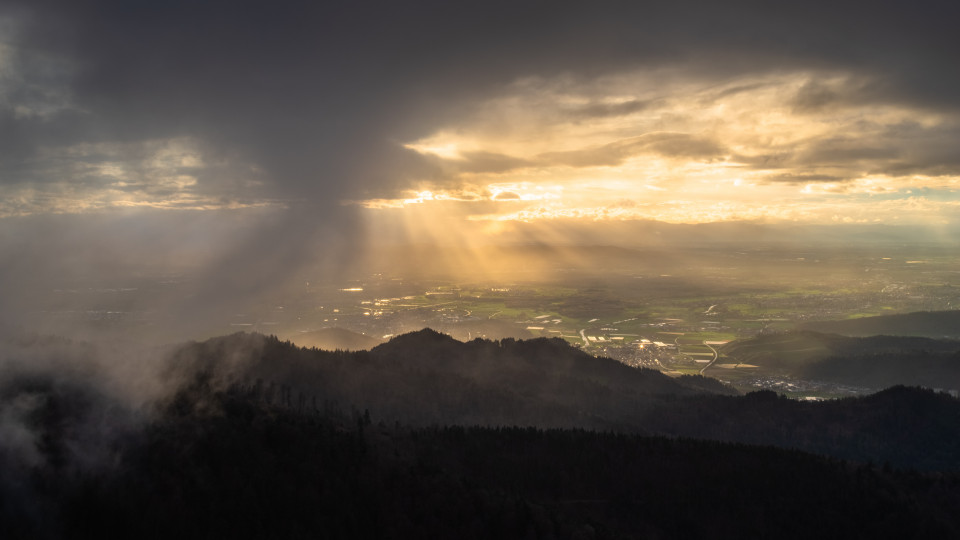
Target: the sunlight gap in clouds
(649, 145)
(660, 145)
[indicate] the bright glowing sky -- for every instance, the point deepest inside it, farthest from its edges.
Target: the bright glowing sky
(799, 146)
(267, 135)
(684, 112)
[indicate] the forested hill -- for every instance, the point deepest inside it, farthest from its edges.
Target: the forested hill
(933, 324)
(425, 378)
(872, 362)
(231, 465)
(252, 437)
(792, 351)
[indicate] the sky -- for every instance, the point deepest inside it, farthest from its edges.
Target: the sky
(250, 138)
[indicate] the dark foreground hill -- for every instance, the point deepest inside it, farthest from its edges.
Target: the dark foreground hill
(256, 438)
(231, 464)
(905, 427)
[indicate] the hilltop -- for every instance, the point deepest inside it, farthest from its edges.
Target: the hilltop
(426, 377)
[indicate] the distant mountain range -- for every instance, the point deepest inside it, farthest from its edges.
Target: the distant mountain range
(932, 324)
(872, 362)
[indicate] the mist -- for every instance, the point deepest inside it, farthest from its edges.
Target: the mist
(594, 198)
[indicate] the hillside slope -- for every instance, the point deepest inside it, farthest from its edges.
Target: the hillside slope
(252, 437)
(236, 467)
(870, 362)
(932, 324)
(425, 378)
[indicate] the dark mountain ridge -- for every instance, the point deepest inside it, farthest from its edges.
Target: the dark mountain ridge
(257, 438)
(871, 362)
(933, 324)
(426, 378)
(902, 426)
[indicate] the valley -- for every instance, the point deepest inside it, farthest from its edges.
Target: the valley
(678, 311)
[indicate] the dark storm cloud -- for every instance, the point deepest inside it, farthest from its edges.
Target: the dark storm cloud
(603, 110)
(318, 95)
(738, 89)
(906, 148)
(814, 97)
(489, 162)
(615, 153)
(306, 104)
(916, 149)
(842, 151)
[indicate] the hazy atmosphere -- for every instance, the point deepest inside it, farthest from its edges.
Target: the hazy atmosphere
(247, 143)
(279, 254)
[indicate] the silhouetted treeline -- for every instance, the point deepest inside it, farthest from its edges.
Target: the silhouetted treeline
(256, 438)
(427, 378)
(904, 427)
(226, 464)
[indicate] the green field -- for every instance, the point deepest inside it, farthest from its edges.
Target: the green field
(641, 310)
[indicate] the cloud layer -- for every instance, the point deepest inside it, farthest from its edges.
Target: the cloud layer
(235, 136)
(180, 104)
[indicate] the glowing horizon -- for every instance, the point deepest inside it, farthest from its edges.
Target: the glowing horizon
(267, 144)
(786, 147)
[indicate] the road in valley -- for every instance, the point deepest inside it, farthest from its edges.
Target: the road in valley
(715, 356)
